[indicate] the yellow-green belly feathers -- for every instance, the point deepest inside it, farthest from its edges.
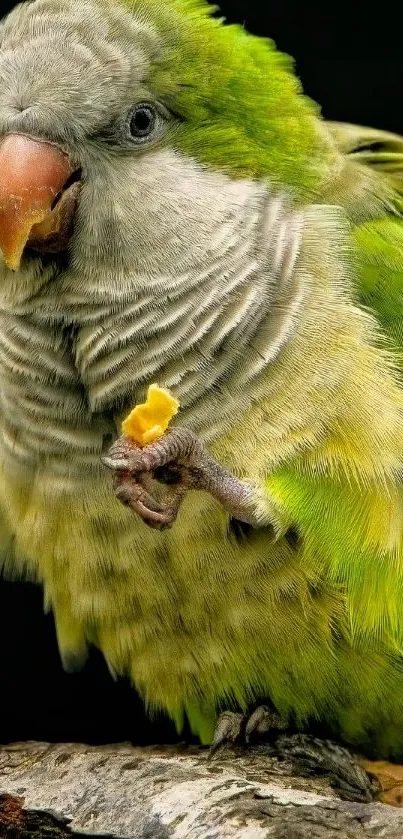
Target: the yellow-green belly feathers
(310, 412)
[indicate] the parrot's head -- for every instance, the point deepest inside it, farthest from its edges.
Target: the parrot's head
(123, 125)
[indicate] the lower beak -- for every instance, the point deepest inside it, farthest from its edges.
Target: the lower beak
(38, 196)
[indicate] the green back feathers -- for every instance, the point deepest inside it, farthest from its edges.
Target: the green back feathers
(380, 247)
(371, 189)
(239, 103)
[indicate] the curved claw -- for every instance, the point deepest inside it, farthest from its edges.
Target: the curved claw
(134, 495)
(150, 517)
(131, 492)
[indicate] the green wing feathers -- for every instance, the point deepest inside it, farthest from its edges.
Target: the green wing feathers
(374, 161)
(349, 527)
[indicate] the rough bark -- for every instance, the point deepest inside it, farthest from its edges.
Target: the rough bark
(119, 791)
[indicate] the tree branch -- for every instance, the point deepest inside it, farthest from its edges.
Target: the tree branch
(56, 791)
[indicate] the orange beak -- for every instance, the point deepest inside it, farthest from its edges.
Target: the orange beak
(32, 176)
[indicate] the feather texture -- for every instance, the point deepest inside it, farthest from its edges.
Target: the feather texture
(250, 260)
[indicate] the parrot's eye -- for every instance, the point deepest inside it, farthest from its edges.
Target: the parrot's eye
(144, 120)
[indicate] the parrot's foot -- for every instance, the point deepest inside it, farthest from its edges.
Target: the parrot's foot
(308, 755)
(179, 460)
(239, 728)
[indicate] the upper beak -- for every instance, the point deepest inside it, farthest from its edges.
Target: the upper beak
(32, 176)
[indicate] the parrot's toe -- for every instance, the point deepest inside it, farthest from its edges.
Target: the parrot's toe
(132, 493)
(262, 721)
(178, 446)
(228, 730)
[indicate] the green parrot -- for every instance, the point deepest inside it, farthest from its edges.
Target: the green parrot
(173, 209)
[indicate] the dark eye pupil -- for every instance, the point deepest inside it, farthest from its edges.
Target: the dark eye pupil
(142, 121)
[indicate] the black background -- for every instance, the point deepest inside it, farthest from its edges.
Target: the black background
(350, 60)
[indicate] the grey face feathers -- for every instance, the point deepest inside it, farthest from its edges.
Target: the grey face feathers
(73, 75)
(70, 71)
(172, 268)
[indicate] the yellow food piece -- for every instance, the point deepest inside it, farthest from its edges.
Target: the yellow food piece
(147, 422)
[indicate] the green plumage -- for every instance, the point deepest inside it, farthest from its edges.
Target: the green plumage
(281, 136)
(250, 257)
(239, 99)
